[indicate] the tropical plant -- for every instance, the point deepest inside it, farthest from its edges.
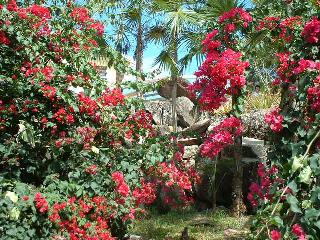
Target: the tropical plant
(176, 25)
(286, 195)
(78, 161)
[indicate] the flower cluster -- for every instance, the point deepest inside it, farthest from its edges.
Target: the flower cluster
(87, 105)
(220, 74)
(92, 169)
(298, 231)
(275, 235)
(81, 15)
(268, 23)
(146, 194)
(40, 11)
(314, 95)
(262, 192)
(285, 68)
(275, 120)
(111, 97)
(235, 15)
(49, 91)
(304, 65)
(87, 136)
(62, 116)
(287, 25)
(122, 188)
(4, 39)
(223, 71)
(90, 218)
(41, 203)
(311, 31)
(221, 136)
(141, 120)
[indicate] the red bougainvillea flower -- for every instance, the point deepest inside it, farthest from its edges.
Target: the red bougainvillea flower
(299, 232)
(304, 65)
(274, 119)
(49, 92)
(4, 39)
(98, 27)
(12, 6)
(236, 14)
(63, 117)
(87, 105)
(117, 177)
(122, 188)
(93, 169)
(25, 198)
(275, 235)
(221, 136)
(40, 11)
(285, 68)
(81, 14)
(146, 194)
(311, 31)
(269, 23)
(48, 73)
(314, 95)
(41, 203)
(220, 74)
(268, 177)
(287, 25)
(112, 97)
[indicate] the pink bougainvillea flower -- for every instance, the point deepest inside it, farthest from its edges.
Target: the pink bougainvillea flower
(275, 235)
(311, 31)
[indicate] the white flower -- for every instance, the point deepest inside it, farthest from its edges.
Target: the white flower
(64, 61)
(12, 196)
(76, 90)
(95, 150)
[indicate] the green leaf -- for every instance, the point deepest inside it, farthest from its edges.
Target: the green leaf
(317, 224)
(305, 175)
(297, 163)
(312, 213)
(293, 186)
(277, 221)
(293, 201)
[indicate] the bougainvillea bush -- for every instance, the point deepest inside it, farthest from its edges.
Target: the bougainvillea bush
(287, 195)
(77, 159)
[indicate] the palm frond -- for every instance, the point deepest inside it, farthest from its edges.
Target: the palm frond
(166, 62)
(157, 34)
(216, 8)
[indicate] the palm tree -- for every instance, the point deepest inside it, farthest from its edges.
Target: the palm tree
(131, 20)
(176, 23)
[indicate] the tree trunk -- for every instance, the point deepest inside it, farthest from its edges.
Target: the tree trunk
(214, 185)
(174, 103)
(174, 77)
(139, 51)
(139, 47)
(238, 206)
(119, 78)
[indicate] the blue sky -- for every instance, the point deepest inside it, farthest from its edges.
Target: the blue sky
(153, 51)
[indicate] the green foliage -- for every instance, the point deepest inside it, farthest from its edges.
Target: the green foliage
(64, 133)
(294, 149)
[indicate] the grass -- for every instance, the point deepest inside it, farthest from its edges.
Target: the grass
(201, 226)
(265, 100)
